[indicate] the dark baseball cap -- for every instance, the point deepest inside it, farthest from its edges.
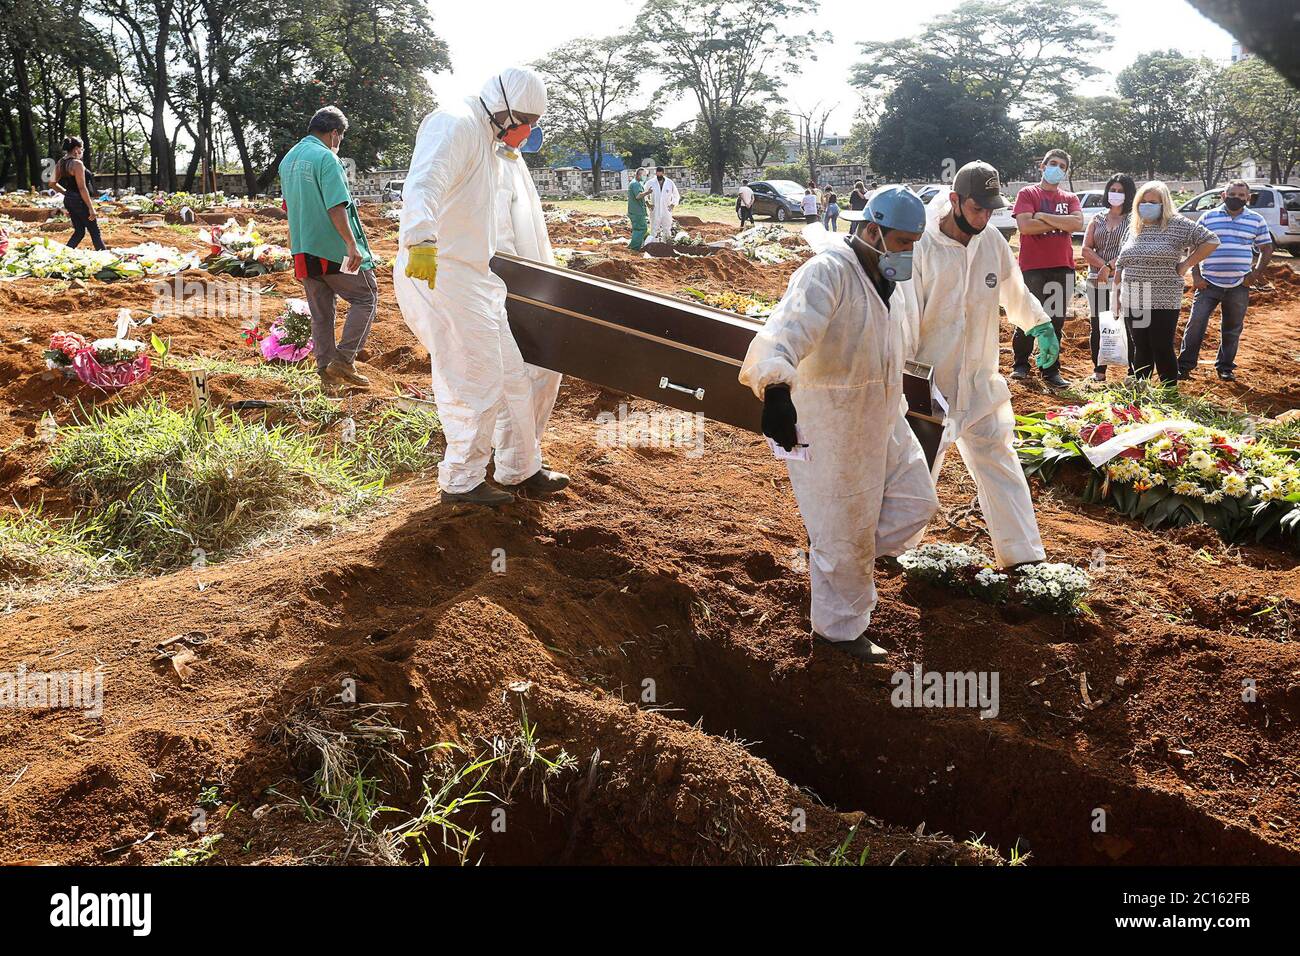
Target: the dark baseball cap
(979, 181)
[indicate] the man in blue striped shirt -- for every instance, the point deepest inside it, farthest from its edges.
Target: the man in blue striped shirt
(1222, 279)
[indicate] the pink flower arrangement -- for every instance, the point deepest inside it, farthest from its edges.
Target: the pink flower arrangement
(289, 339)
(273, 348)
(115, 375)
(64, 347)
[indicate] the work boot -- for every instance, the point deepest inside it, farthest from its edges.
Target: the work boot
(482, 494)
(344, 373)
(861, 648)
(1227, 377)
(888, 564)
(1055, 381)
(544, 482)
(1019, 373)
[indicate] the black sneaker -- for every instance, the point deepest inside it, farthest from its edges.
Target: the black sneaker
(860, 648)
(482, 494)
(1019, 374)
(1184, 375)
(1055, 381)
(1227, 377)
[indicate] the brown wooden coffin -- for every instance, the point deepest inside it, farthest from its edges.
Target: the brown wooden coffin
(682, 354)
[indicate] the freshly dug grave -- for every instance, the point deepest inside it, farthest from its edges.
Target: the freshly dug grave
(679, 569)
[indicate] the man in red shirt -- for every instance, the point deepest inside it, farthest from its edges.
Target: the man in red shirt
(1047, 217)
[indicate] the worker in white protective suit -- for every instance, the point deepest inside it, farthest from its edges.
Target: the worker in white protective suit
(453, 302)
(662, 194)
(521, 231)
(834, 347)
(961, 274)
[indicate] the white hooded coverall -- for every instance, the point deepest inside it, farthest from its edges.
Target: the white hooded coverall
(521, 231)
(958, 290)
(865, 490)
(663, 198)
(450, 197)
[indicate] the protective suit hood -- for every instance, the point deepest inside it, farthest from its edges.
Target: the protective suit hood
(524, 91)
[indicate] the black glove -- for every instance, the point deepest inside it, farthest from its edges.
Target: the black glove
(779, 416)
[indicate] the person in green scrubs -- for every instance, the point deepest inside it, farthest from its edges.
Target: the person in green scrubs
(636, 211)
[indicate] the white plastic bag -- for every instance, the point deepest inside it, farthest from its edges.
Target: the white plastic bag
(1112, 346)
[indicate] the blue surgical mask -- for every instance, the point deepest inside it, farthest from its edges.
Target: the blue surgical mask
(534, 141)
(1053, 174)
(1150, 211)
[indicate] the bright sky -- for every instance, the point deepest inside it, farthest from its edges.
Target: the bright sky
(483, 40)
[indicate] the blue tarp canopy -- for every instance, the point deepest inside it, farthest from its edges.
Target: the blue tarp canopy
(609, 163)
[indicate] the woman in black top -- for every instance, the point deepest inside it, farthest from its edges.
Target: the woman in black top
(858, 198)
(73, 179)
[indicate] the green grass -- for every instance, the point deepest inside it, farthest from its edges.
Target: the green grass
(163, 485)
(298, 378)
(502, 767)
(197, 855)
(842, 854)
(306, 400)
(397, 441)
(151, 484)
(708, 199)
(61, 553)
(353, 748)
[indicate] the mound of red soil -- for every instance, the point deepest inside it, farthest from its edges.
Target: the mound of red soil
(26, 213)
(1281, 285)
(654, 622)
(725, 270)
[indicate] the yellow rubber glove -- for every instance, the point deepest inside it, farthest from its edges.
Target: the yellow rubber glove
(422, 263)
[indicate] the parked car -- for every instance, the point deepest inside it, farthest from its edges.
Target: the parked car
(392, 190)
(1279, 205)
(782, 199)
(1093, 204)
(1001, 220)
(930, 190)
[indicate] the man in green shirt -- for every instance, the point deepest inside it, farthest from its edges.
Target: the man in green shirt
(636, 211)
(330, 253)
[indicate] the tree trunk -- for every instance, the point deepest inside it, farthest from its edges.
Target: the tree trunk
(6, 143)
(159, 144)
(83, 118)
(717, 164)
(237, 134)
(192, 169)
(29, 162)
(271, 171)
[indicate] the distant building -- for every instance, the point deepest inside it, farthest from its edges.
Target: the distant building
(831, 143)
(1240, 53)
(582, 161)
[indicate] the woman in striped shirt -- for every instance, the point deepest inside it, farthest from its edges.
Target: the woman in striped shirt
(1101, 245)
(1161, 248)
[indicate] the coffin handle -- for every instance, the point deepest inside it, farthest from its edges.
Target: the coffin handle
(697, 392)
